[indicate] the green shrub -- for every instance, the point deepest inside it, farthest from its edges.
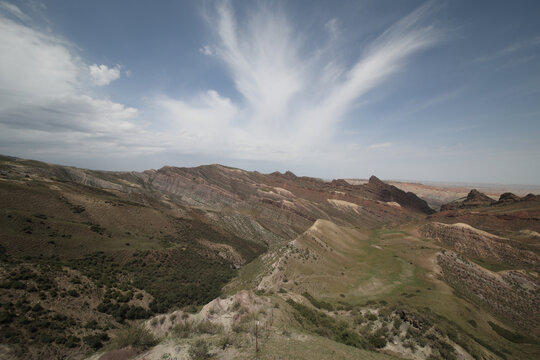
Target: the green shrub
(72, 341)
(509, 335)
(207, 327)
(226, 341)
(318, 304)
(92, 324)
(199, 350)
(376, 340)
(6, 317)
(183, 329)
(326, 326)
(17, 285)
(136, 336)
(93, 342)
(371, 316)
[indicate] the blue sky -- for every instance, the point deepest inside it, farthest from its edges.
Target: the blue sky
(442, 91)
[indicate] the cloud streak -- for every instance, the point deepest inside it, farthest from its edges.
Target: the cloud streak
(293, 97)
(512, 48)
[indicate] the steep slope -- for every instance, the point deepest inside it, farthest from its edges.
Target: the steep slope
(478, 244)
(389, 193)
(512, 295)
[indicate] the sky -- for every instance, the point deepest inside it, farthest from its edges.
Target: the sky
(410, 90)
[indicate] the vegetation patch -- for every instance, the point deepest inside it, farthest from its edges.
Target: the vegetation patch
(509, 335)
(136, 336)
(327, 326)
(317, 303)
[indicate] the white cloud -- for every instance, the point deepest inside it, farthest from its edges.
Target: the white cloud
(44, 96)
(103, 75)
(293, 97)
(33, 63)
(206, 50)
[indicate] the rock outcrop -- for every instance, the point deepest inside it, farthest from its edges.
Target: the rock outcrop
(508, 198)
(382, 191)
(531, 197)
(474, 199)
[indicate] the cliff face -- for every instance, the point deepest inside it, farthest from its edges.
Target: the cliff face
(479, 244)
(384, 192)
(513, 295)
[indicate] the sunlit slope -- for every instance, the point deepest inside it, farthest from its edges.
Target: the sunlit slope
(344, 265)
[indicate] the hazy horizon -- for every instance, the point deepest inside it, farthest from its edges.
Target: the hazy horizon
(533, 187)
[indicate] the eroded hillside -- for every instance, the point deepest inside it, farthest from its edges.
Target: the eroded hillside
(183, 263)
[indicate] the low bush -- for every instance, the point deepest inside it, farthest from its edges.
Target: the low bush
(509, 335)
(207, 327)
(93, 342)
(72, 341)
(136, 336)
(199, 350)
(318, 304)
(183, 329)
(326, 326)
(371, 316)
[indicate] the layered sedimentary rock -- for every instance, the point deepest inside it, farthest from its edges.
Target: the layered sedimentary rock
(381, 191)
(474, 199)
(479, 244)
(513, 295)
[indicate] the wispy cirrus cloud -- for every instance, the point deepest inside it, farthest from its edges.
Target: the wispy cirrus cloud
(512, 48)
(13, 10)
(293, 97)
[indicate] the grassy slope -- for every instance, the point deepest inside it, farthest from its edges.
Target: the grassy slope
(310, 347)
(394, 265)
